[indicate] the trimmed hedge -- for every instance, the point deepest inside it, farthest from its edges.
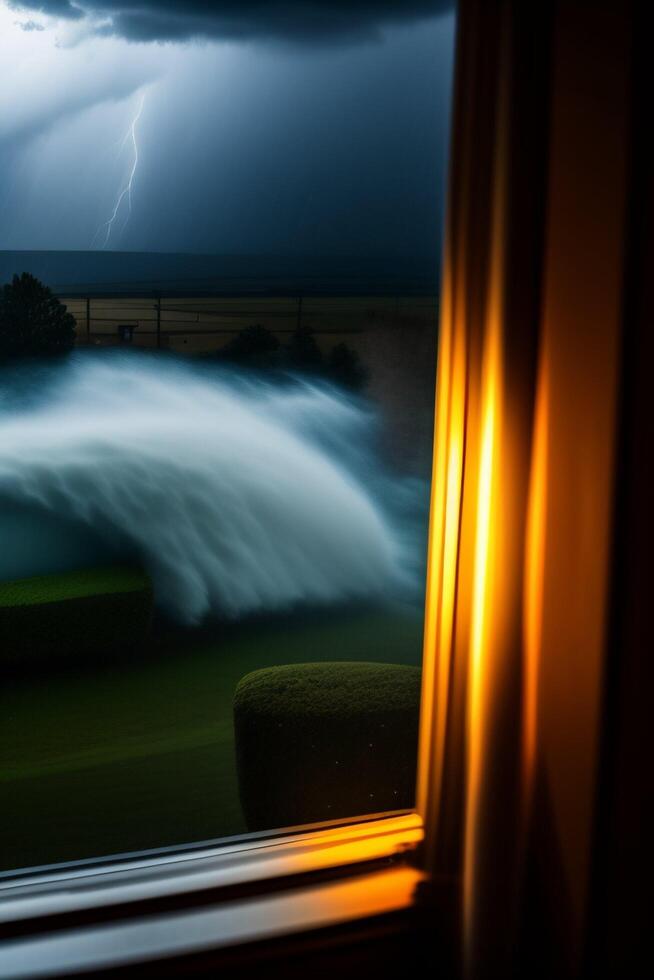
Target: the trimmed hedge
(323, 741)
(94, 611)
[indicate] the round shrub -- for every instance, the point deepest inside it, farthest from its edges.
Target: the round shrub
(323, 741)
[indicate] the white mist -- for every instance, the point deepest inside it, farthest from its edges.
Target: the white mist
(237, 494)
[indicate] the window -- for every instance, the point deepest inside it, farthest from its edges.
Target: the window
(535, 578)
(220, 243)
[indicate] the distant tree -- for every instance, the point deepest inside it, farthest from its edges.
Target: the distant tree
(256, 347)
(252, 347)
(302, 351)
(33, 323)
(346, 368)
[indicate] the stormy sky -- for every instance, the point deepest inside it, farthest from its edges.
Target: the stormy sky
(246, 127)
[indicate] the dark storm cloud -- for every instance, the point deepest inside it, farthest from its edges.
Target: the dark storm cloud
(302, 21)
(55, 8)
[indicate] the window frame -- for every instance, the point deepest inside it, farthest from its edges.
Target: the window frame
(309, 879)
(118, 913)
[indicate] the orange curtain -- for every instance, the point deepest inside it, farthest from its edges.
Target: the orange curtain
(523, 490)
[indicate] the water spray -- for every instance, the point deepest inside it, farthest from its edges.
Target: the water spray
(237, 495)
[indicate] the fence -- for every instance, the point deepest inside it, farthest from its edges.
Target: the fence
(202, 324)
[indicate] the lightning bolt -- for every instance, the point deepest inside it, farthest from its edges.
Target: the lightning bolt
(126, 191)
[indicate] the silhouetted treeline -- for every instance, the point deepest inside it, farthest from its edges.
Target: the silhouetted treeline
(33, 323)
(256, 347)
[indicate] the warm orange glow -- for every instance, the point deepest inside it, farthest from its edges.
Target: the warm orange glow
(453, 493)
(328, 903)
(442, 558)
(485, 613)
(483, 540)
(427, 751)
(534, 577)
(521, 538)
(480, 655)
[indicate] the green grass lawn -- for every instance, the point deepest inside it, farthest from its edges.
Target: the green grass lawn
(122, 756)
(81, 584)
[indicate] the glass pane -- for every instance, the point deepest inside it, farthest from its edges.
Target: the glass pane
(220, 246)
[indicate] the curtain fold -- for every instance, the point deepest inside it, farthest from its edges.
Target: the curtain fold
(521, 530)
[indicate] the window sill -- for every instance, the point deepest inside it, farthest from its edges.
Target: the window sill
(124, 913)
